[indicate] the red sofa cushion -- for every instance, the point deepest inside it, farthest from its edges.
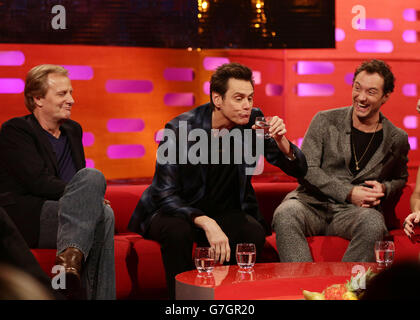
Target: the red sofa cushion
(124, 199)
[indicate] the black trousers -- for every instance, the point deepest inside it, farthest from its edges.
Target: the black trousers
(15, 252)
(176, 236)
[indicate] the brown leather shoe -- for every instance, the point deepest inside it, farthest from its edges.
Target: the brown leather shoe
(71, 259)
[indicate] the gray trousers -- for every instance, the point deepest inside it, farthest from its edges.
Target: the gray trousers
(293, 221)
(80, 219)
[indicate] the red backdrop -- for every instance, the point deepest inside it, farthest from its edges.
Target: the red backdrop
(277, 72)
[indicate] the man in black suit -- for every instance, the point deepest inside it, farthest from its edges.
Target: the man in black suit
(55, 201)
(211, 203)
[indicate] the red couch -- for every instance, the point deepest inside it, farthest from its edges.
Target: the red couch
(139, 268)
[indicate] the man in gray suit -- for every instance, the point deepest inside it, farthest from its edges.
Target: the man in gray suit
(357, 168)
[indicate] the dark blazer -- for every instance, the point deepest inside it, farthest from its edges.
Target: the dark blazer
(176, 188)
(29, 173)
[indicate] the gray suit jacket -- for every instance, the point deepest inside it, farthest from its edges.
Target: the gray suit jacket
(327, 148)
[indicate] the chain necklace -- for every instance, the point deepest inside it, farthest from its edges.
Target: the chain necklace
(364, 153)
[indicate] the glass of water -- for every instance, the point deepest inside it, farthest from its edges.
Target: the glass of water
(384, 253)
(263, 123)
(204, 259)
(246, 255)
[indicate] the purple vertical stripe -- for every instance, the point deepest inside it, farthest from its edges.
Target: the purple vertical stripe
(272, 89)
(378, 25)
(79, 72)
(125, 151)
(88, 139)
(179, 99)
(11, 85)
(410, 122)
(410, 15)
(299, 142)
(179, 74)
(125, 125)
(348, 78)
(90, 163)
(410, 89)
(159, 135)
(129, 86)
(211, 63)
(410, 36)
(314, 67)
(413, 143)
(206, 87)
(369, 45)
(11, 58)
(314, 89)
(340, 35)
(256, 75)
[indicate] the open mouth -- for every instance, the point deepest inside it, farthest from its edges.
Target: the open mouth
(361, 106)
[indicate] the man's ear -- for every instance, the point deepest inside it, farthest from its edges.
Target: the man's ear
(38, 101)
(386, 97)
(217, 99)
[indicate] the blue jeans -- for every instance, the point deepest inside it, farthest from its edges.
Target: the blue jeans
(80, 219)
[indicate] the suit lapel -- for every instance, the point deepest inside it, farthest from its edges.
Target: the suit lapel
(345, 137)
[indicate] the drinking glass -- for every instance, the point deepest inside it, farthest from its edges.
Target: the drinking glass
(384, 253)
(245, 275)
(263, 123)
(204, 259)
(245, 255)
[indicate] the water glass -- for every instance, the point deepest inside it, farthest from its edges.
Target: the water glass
(246, 255)
(384, 253)
(263, 123)
(204, 259)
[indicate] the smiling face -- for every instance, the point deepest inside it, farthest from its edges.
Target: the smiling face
(236, 105)
(368, 96)
(56, 105)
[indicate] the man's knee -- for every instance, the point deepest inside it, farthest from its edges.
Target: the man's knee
(174, 231)
(288, 214)
(371, 222)
(92, 175)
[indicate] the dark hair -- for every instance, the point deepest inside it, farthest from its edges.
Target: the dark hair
(219, 79)
(380, 67)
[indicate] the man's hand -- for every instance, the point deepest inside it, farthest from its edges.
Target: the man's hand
(367, 197)
(107, 202)
(277, 132)
(216, 238)
(413, 218)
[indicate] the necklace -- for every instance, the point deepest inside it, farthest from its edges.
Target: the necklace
(356, 161)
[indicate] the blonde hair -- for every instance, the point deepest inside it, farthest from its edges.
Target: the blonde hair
(36, 84)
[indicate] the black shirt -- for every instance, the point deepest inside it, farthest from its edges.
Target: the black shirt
(222, 185)
(359, 143)
(62, 150)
